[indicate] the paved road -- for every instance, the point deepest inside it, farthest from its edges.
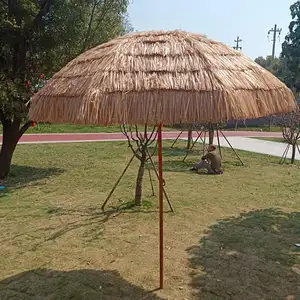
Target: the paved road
(256, 145)
(96, 137)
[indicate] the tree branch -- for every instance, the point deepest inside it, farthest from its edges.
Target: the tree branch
(25, 127)
(99, 20)
(135, 152)
(87, 35)
(138, 134)
(154, 150)
(151, 138)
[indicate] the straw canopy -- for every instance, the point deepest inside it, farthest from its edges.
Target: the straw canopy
(160, 77)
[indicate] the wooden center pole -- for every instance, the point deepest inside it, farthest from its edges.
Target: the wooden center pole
(161, 208)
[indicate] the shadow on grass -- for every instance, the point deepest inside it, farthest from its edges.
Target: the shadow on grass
(171, 152)
(176, 166)
(184, 167)
(76, 284)
(90, 221)
(250, 257)
(21, 176)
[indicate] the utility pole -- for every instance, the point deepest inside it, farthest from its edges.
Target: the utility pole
(274, 30)
(237, 42)
(237, 47)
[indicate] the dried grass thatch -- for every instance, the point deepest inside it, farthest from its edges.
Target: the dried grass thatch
(154, 77)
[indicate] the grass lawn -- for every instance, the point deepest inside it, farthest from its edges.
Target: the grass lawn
(69, 128)
(232, 236)
(264, 128)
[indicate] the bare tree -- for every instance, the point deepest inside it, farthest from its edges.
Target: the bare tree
(142, 141)
(139, 143)
(290, 126)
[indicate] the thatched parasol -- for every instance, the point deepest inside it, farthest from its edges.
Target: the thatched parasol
(160, 78)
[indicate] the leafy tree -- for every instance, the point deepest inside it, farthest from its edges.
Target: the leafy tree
(291, 49)
(276, 66)
(268, 63)
(39, 37)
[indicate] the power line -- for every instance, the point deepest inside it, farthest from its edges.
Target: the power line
(274, 30)
(237, 42)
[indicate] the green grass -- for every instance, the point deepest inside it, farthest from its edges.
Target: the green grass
(232, 236)
(69, 128)
(263, 128)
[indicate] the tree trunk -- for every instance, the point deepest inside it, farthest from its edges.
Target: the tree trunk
(294, 146)
(190, 137)
(11, 135)
(9, 143)
(139, 181)
(211, 134)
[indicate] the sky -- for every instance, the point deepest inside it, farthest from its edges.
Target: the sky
(221, 20)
